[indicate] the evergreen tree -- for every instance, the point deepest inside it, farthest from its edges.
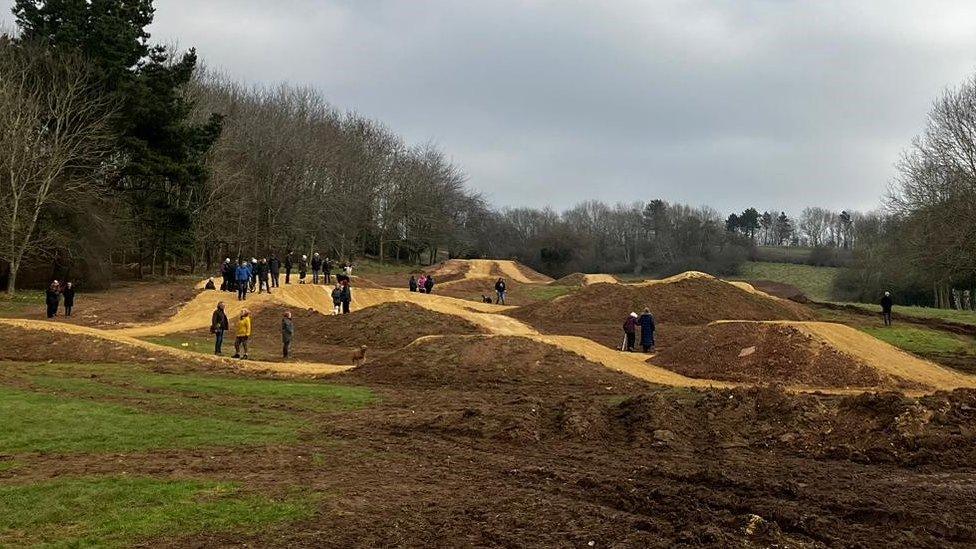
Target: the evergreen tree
(162, 151)
(749, 222)
(732, 223)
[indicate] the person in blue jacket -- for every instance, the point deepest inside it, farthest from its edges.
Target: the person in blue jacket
(646, 322)
(243, 276)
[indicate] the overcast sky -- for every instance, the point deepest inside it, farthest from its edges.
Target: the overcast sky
(772, 103)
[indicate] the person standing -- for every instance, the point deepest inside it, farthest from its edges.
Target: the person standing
(289, 265)
(500, 289)
(630, 332)
(243, 276)
(254, 274)
(52, 297)
(429, 284)
(69, 298)
(218, 325)
(275, 267)
(264, 271)
(302, 269)
(336, 298)
(243, 334)
(646, 322)
(316, 267)
(287, 333)
(226, 275)
(346, 297)
(886, 304)
(422, 283)
(327, 270)
(412, 283)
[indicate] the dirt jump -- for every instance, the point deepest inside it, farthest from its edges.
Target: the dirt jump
(692, 300)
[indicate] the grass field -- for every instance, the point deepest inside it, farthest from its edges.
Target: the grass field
(924, 341)
(102, 412)
(118, 511)
(960, 317)
(21, 301)
(815, 282)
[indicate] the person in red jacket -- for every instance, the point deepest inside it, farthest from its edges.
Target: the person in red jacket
(630, 332)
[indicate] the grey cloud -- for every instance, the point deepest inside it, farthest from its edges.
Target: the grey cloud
(542, 102)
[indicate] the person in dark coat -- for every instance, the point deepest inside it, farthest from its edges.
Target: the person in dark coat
(302, 269)
(264, 272)
(226, 276)
(52, 297)
(500, 289)
(646, 322)
(219, 325)
(346, 297)
(429, 285)
(886, 304)
(412, 283)
(275, 267)
(289, 265)
(316, 267)
(630, 332)
(243, 276)
(327, 267)
(287, 333)
(337, 298)
(69, 298)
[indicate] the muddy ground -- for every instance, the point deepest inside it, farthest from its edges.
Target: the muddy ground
(506, 442)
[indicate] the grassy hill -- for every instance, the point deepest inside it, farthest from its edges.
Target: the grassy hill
(815, 282)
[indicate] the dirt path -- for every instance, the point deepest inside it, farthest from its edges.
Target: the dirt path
(599, 279)
(289, 369)
(196, 315)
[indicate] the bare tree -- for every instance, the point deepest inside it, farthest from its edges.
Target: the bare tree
(54, 142)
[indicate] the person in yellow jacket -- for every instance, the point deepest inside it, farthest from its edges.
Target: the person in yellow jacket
(243, 334)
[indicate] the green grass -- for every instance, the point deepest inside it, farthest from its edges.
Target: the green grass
(924, 341)
(198, 344)
(815, 282)
(56, 424)
(22, 301)
(951, 315)
(120, 511)
(546, 292)
(109, 408)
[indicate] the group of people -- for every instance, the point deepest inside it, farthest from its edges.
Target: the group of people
(219, 324)
(53, 298)
(262, 275)
(424, 284)
(644, 321)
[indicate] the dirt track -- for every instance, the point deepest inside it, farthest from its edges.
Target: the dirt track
(196, 314)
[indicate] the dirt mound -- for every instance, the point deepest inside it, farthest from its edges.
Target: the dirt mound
(780, 290)
(485, 361)
(771, 353)
(387, 326)
(684, 301)
(26, 345)
(574, 279)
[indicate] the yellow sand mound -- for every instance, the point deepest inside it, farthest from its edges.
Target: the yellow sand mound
(291, 368)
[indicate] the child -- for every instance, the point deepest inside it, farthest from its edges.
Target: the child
(243, 334)
(336, 298)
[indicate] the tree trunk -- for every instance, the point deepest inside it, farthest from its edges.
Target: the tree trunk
(14, 266)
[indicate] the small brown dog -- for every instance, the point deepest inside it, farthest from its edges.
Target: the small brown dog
(358, 357)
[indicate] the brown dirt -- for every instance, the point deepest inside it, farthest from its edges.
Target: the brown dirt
(770, 353)
(26, 345)
(574, 279)
(689, 301)
(780, 290)
(125, 304)
(465, 362)
(597, 311)
(473, 289)
(502, 442)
